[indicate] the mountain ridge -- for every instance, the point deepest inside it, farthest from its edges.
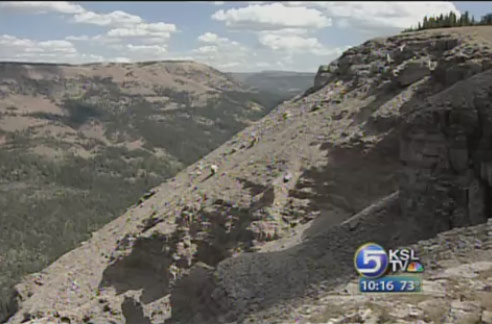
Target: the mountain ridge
(294, 194)
(80, 143)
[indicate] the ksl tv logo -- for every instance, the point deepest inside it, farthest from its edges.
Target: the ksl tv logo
(372, 261)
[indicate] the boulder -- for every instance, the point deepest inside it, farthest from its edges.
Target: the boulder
(412, 72)
(324, 75)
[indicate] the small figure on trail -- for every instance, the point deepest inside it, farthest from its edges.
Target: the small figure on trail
(255, 139)
(173, 270)
(287, 177)
(388, 58)
(213, 169)
(188, 218)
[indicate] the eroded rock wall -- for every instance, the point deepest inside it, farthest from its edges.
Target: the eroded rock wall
(446, 152)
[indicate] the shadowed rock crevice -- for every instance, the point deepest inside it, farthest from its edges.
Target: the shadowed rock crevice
(225, 229)
(446, 151)
(344, 183)
(146, 268)
(191, 302)
(133, 312)
(9, 307)
(253, 187)
(219, 232)
(211, 235)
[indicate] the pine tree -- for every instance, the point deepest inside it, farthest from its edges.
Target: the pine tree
(487, 19)
(465, 19)
(452, 19)
(432, 22)
(447, 21)
(426, 23)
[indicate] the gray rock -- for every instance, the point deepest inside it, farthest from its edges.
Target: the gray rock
(412, 72)
(447, 177)
(486, 317)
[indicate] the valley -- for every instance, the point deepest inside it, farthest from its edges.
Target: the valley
(80, 144)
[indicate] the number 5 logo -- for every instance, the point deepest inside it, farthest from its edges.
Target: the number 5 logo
(371, 260)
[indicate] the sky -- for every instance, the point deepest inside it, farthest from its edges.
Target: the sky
(230, 36)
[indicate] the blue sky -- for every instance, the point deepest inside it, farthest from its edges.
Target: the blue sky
(230, 36)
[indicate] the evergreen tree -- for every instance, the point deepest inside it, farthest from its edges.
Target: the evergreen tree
(451, 20)
(487, 19)
(465, 19)
(432, 22)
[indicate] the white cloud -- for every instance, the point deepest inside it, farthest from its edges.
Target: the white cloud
(393, 14)
(288, 42)
(155, 31)
(115, 18)
(120, 59)
(123, 25)
(220, 52)
(43, 6)
(272, 16)
(155, 49)
(60, 51)
(77, 38)
(206, 49)
(61, 46)
(212, 38)
(10, 43)
(219, 3)
(292, 43)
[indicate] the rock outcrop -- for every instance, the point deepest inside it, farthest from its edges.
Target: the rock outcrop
(446, 150)
(323, 76)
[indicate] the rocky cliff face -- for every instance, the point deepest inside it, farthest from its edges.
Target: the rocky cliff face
(391, 146)
(445, 151)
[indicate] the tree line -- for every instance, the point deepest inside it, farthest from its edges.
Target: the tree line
(451, 20)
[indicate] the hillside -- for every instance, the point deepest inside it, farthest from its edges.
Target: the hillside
(391, 145)
(80, 144)
(283, 84)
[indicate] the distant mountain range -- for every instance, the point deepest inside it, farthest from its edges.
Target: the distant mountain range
(284, 84)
